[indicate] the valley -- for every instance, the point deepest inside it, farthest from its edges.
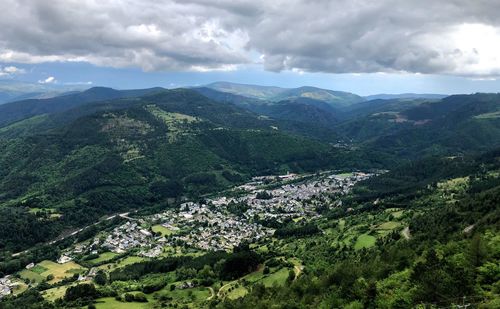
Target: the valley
(221, 154)
(194, 198)
(248, 213)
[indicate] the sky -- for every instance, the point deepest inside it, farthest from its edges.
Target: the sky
(361, 46)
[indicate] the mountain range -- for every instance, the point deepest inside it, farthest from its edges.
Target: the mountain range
(147, 133)
(71, 160)
(14, 90)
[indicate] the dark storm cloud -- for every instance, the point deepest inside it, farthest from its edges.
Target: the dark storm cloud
(458, 37)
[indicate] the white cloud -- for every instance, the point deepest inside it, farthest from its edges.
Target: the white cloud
(48, 80)
(458, 37)
(10, 71)
(78, 83)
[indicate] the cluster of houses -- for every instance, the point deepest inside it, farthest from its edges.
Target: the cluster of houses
(127, 236)
(213, 226)
(121, 239)
(89, 276)
(210, 229)
(154, 251)
(293, 200)
(7, 286)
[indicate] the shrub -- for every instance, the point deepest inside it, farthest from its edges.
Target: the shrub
(129, 297)
(141, 298)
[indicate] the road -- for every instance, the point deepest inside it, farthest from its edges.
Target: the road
(66, 235)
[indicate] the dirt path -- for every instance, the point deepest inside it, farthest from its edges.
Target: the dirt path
(298, 270)
(406, 233)
(222, 287)
(212, 292)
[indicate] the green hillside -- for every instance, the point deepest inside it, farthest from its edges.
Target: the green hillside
(19, 110)
(126, 154)
(435, 245)
(383, 204)
(451, 126)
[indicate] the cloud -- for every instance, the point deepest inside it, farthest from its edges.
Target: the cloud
(48, 80)
(457, 37)
(447, 37)
(78, 83)
(10, 71)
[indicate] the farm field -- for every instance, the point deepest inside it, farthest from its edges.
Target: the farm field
(20, 288)
(58, 292)
(45, 268)
(277, 278)
(237, 293)
(493, 115)
(112, 303)
(60, 271)
(106, 256)
(365, 241)
(31, 276)
(190, 297)
(132, 259)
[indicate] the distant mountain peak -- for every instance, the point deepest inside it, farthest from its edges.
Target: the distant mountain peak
(386, 96)
(272, 93)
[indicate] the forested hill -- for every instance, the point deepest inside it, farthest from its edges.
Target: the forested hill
(116, 155)
(19, 110)
(398, 129)
(422, 230)
(316, 116)
(412, 129)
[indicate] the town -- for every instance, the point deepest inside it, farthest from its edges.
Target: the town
(222, 222)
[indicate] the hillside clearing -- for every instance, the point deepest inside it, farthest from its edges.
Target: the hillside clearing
(364, 241)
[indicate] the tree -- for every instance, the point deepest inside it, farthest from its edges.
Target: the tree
(264, 195)
(100, 278)
(438, 279)
(129, 297)
(86, 290)
(265, 271)
(476, 251)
